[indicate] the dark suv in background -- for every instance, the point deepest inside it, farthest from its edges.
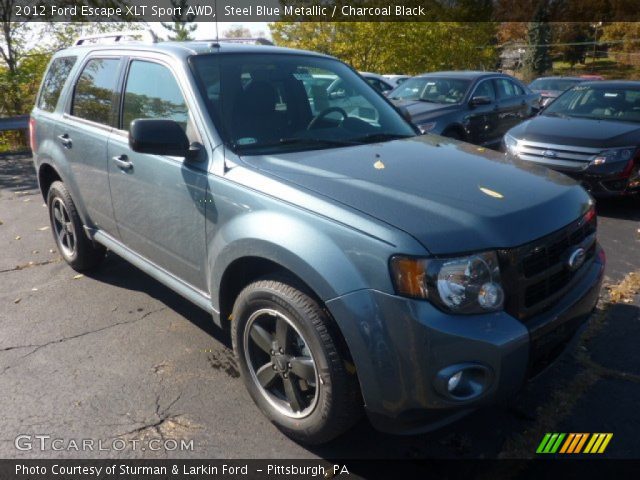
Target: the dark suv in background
(477, 107)
(355, 263)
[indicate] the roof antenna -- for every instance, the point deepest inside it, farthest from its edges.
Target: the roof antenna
(215, 17)
(215, 5)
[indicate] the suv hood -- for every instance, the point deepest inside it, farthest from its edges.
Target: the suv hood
(579, 132)
(444, 193)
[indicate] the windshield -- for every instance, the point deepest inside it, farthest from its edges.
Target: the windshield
(432, 89)
(560, 84)
(271, 103)
(615, 103)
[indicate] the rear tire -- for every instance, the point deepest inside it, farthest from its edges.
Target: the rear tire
(78, 250)
(291, 362)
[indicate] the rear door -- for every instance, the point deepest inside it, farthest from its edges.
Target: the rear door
(83, 132)
(159, 201)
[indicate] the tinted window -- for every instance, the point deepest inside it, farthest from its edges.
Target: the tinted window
(506, 88)
(615, 103)
(377, 84)
(485, 89)
(93, 96)
(269, 103)
(152, 92)
(432, 89)
(54, 81)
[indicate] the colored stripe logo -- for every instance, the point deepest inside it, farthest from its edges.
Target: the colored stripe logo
(570, 443)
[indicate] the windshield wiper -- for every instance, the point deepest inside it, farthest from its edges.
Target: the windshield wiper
(381, 137)
(329, 142)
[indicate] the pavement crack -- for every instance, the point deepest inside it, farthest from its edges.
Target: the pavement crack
(37, 347)
(24, 266)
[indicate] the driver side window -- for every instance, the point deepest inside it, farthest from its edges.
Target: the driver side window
(485, 89)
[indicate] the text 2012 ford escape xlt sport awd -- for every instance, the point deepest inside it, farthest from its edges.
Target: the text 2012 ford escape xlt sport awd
(358, 265)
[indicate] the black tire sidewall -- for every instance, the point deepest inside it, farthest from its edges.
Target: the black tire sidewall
(57, 190)
(254, 299)
(87, 254)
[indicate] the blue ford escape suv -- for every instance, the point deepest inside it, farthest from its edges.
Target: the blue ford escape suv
(358, 265)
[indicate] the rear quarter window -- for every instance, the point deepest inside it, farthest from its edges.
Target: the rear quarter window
(93, 95)
(53, 82)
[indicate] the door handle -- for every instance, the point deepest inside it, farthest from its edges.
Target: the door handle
(65, 140)
(123, 162)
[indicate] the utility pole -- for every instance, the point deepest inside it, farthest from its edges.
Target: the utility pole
(595, 44)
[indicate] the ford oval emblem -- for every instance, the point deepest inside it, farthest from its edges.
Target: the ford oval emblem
(549, 154)
(576, 259)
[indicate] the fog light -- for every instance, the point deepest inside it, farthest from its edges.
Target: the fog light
(454, 381)
(490, 296)
(463, 382)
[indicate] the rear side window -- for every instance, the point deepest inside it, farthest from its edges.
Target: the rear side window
(94, 92)
(506, 88)
(54, 81)
(152, 92)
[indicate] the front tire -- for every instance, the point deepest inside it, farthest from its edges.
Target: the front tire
(292, 362)
(73, 244)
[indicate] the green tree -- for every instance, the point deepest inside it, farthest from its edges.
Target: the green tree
(576, 33)
(625, 36)
(395, 47)
(182, 26)
(537, 59)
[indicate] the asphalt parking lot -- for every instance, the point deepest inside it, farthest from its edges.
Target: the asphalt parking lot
(115, 355)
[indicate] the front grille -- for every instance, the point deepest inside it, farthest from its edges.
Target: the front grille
(537, 275)
(561, 156)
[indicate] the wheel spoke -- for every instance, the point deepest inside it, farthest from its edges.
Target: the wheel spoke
(58, 215)
(266, 375)
(293, 394)
(303, 368)
(282, 333)
(261, 337)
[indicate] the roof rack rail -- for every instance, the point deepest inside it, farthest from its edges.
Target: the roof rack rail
(146, 36)
(246, 41)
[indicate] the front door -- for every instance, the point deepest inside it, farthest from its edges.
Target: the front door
(510, 104)
(159, 201)
(482, 124)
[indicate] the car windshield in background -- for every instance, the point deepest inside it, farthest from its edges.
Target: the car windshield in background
(433, 90)
(622, 104)
(283, 103)
(558, 84)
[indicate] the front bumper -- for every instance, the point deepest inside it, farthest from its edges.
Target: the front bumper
(399, 345)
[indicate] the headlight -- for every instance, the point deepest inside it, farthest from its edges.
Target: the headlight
(426, 127)
(623, 154)
(465, 285)
(511, 145)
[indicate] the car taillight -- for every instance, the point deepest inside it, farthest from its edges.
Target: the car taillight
(628, 168)
(32, 134)
(590, 216)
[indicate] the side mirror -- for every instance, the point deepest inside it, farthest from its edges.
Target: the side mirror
(480, 100)
(158, 137)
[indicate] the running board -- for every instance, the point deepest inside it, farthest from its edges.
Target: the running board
(198, 297)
